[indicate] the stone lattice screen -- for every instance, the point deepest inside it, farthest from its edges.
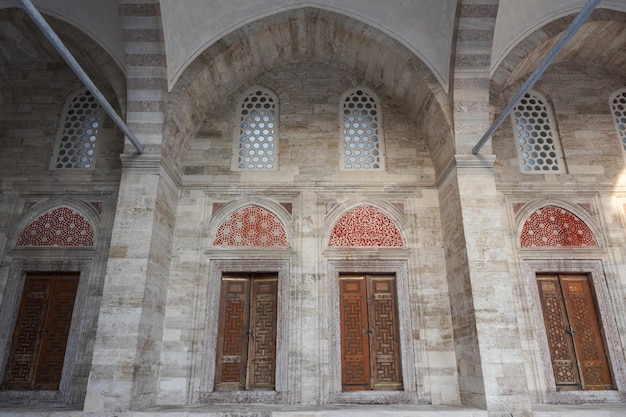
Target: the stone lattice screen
(365, 226)
(618, 107)
(538, 144)
(251, 226)
(76, 141)
(361, 135)
(256, 140)
(61, 226)
(555, 227)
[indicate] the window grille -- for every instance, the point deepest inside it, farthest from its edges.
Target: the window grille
(256, 133)
(618, 108)
(361, 139)
(537, 141)
(81, 123)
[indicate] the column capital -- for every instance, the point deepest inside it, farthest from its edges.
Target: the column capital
(141, 163)
(478, 162)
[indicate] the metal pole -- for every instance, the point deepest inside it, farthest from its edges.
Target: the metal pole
(543, 65)
(82, 75)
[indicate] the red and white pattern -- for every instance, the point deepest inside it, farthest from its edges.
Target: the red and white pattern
(365, 226)
(251, 226)
(61, 226)
(555, 227)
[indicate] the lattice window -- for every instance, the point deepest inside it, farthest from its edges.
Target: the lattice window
(538, 144)
(618, 108)
(556, 227)
(361, 135)
(81, 123)
(365, 226)
(251, 226)
(256, 132)
(61, 226)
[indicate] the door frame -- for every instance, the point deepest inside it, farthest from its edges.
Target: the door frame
(50, 285)
(248, 321)
(207, 312)
(606, 321)
(84, 317)
(399, 268)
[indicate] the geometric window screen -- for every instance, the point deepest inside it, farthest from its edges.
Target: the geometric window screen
(361, 136)
(552, 226)
(80, 125)
(62, 226)
(252, 227)
(256, 132)
(618, 108)
(537, 142)
(365, 226)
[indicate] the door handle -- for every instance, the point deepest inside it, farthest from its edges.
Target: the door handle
(368, 331)
(247, 333)
(571, 331)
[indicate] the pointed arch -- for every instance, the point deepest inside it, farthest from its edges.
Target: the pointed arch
(251, 226)
(61, 226)
(554, 226)
(365, 226)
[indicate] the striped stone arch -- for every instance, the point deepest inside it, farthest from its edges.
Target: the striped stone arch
(553, 226)
(251, 226)
(365, 226)
(58, 227)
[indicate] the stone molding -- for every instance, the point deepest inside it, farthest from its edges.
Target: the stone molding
(207, 316)
(398, 267)
(71, 388)
(541, 361)
(468, 165)
(141, 163)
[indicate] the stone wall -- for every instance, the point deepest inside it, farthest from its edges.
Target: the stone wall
(592, 188)
(30, 115)
(310, 182)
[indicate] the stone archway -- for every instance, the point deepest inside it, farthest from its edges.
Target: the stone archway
(309, 35)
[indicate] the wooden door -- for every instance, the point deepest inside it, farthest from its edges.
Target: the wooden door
(355, 361)
(370, 347)
(246, 353)
(41, 331)
(575, 340)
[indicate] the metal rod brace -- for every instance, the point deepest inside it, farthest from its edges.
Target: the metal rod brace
(578, 21)
(75, 66)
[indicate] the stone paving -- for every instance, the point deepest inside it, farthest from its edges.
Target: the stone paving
(616, 410)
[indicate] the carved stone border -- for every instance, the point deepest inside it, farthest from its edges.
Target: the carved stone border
(398, 267)
(82, 329)
(209, 308)
(607, 322)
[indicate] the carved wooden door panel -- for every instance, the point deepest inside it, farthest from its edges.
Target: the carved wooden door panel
(246, 353)
(588, 341)
(576, 345)
(41, 332)
(262, 346)
(355, 361)
(370, 348)
(233, 338)
(384, 335)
